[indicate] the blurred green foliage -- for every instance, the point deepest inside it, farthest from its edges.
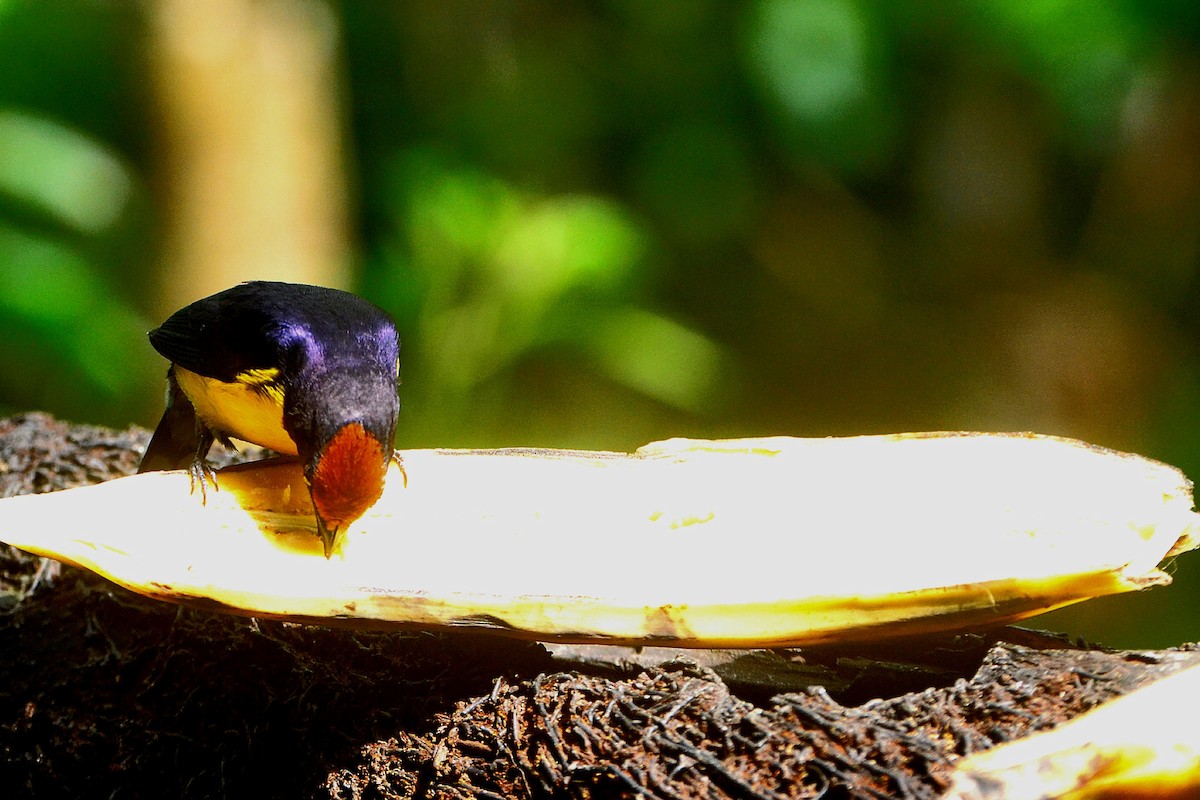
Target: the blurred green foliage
(599, 224)
(491, 276)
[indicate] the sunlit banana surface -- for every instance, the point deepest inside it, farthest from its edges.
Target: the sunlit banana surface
(737, 543)
(1143, 745)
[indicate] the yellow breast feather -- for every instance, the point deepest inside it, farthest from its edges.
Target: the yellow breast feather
(249, 408)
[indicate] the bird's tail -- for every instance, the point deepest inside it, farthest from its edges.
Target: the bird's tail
(174, 443)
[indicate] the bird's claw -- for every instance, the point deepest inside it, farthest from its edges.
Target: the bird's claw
(202, 473)
(398, 460)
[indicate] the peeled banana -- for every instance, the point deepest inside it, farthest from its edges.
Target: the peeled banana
(1145, 744)
(737, 543)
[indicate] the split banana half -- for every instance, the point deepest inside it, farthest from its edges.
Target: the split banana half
(1145, 744)
(741, 543)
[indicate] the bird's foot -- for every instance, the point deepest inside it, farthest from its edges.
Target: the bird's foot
(201, 473)
(398, 460)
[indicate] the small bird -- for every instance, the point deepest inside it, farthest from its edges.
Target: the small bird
(301, 370)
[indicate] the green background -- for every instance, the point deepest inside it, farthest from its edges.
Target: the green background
(600, 224)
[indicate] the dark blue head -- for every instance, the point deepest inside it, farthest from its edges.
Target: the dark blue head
(340, 407)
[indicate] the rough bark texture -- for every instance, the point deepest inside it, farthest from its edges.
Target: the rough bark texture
(107, 694)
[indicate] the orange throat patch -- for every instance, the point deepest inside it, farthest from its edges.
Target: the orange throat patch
(348, 478)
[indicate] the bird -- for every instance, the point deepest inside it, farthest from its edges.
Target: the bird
(302, 370)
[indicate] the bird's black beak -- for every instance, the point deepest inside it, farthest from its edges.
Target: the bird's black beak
(328, 536)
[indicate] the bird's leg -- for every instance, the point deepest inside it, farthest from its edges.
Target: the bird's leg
(398, 460)
(200, 471)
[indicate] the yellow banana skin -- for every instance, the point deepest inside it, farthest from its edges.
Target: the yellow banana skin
(737, 543)
(1145, 744)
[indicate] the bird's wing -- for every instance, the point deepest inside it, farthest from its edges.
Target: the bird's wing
(220, 336)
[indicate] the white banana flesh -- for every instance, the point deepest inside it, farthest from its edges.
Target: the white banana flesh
(738, 543)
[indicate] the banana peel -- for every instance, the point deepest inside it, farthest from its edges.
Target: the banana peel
(1145, 744)
(738, 543)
